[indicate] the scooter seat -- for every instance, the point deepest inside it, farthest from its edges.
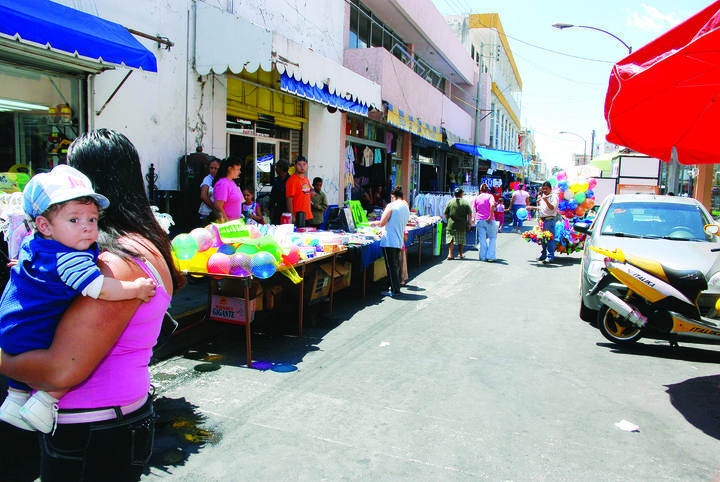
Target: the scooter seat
(688, 282)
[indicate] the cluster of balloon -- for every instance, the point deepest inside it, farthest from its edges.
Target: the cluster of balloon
(202, 251)
(576, 195)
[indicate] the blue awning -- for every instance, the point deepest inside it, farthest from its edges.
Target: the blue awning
(323, 96)
(508, 158)
(50, 25)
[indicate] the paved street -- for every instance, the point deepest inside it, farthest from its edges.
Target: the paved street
(481, 371)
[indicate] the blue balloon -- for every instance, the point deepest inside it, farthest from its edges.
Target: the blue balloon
(522, 214)
(589, 193)
(573, 204)
(263, 265)
(228, 249)
(562, 205)
(563, 185)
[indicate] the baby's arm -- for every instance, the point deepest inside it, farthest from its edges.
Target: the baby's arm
(110, 289)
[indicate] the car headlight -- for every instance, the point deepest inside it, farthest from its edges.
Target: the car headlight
(595, 270)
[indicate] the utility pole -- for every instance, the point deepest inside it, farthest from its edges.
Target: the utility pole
(592, 145)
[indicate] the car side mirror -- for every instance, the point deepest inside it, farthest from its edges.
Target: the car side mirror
(713, 229)
(583, 228)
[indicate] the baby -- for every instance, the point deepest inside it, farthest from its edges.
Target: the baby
(55, 264)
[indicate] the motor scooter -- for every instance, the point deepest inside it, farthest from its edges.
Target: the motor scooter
(656, 301)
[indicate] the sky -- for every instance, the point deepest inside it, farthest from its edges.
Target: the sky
(560, 91)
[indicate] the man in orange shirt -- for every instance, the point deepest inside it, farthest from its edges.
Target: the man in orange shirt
(297, 190)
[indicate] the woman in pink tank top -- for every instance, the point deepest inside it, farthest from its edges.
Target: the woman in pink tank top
(102, 349)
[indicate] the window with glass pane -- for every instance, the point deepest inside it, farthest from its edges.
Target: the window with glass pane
(40, 115)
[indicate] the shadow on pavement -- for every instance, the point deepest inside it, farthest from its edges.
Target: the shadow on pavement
(661, 349)
(698, 400)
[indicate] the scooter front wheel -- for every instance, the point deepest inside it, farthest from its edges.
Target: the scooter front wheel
(617, 329)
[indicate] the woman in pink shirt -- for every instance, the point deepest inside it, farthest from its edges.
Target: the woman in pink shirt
(228, 196)
(101, 349)
(520, 199)
(485, 224)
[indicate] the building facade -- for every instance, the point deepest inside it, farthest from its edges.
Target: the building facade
(387, 84)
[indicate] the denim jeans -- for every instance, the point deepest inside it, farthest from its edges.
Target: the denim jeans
(487, 236)
(548, 247)
(109, 450)
(516, 222)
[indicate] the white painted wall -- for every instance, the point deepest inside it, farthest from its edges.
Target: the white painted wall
(150, 107)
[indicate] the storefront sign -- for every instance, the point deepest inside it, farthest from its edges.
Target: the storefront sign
(408, 123)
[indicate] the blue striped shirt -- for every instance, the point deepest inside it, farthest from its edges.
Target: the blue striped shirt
(42, 285)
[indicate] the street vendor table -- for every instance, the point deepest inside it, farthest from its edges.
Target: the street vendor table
(245, 282)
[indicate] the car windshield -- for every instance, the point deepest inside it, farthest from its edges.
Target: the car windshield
(656, 220)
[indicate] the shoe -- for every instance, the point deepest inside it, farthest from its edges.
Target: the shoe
(541, 258)
(40, 411)
(387, 293)
(10, 409)
(490, 260)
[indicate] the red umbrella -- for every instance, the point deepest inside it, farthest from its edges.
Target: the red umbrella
(663, 96)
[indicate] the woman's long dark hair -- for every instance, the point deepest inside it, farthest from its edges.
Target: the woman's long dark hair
(112, 163)
(226, 164)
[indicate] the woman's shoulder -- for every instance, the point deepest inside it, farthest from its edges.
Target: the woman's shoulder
(125, 269)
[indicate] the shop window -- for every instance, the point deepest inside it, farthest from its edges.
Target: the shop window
(39, 117)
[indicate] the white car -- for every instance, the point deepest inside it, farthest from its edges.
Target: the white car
(668, 229)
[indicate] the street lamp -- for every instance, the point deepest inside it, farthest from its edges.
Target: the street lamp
(562, 26)
(584, 143)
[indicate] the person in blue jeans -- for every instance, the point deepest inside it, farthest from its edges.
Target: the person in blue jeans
(547, 206)
(520, 199)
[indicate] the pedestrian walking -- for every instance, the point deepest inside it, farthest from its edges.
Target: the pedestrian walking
(520, 199)
(394, 219)
(547, 211)
(485, 224)
(459, 218)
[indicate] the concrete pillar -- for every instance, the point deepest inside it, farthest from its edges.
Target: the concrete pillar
(703, 185)
(406, 163)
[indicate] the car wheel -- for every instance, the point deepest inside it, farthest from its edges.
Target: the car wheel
(587, 314)
(616, 329)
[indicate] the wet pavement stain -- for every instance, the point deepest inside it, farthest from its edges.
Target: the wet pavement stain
(207, 367)
(179, 433)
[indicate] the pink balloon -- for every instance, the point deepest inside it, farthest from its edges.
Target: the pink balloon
(219, 263)
(592, 182)
(561, 175)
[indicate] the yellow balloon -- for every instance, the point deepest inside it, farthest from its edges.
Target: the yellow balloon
(575, 187)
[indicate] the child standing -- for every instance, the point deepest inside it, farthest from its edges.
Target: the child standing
(55, 264)
(250, 209)
(500, 215)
